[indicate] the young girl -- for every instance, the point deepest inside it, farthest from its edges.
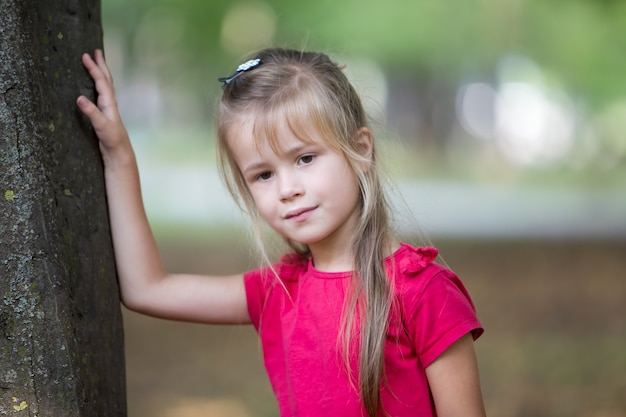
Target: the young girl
(352, 322)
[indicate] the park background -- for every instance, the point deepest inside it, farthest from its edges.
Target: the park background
(502, 125)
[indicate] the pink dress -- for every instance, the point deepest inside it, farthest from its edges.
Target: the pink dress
(298, 322)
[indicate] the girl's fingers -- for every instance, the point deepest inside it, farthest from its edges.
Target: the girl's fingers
(101, 76)
(91, 111)
(94, 70)
(90, 64)
(98, 69)
(103, 114)
(101, 62)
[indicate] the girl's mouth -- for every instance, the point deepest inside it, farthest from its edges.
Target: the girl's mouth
(299, 214)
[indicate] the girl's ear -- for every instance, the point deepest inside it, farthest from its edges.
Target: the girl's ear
(365, 145)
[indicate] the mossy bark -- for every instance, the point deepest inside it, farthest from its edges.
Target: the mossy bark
(61, 335)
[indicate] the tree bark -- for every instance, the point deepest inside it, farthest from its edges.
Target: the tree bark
(61, 332)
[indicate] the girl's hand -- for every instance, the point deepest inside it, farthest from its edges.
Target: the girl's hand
(105, 117)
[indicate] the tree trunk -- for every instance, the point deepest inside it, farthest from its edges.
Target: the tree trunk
(61, 351)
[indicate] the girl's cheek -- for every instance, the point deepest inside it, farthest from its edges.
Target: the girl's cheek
(257, 196)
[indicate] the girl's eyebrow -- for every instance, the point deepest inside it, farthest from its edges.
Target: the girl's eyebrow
(289, 152)
(256, 166)
(297, 148)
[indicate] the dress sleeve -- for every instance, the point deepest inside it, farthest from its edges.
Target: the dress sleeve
(441, 314)
(260, 283)
(255, 295)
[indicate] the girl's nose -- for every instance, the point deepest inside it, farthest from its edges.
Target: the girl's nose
(290, 188)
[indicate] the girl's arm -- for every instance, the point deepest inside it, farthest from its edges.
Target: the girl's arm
(454, 382)
(145, 285)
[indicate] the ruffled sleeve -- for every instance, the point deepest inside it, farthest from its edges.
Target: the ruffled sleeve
(437, 308)
(417, 259)
(259, 283)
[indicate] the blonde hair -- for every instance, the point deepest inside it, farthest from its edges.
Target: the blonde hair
(300, 88)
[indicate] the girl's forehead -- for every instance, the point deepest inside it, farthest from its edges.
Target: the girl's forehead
(277, 135)
(248, 147)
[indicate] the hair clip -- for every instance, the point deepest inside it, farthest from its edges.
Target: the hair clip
(246, 66)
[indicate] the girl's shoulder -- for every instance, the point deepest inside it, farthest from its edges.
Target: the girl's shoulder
(410, 261)
(291, 266)
(412, 268)
(433, 307)
(288, 268)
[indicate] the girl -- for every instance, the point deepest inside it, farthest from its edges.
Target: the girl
(352, 322)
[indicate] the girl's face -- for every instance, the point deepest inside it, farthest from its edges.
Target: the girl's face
(305, 191)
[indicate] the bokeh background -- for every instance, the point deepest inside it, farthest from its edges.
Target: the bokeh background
(502, 125)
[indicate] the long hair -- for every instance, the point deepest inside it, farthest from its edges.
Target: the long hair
(300, 89)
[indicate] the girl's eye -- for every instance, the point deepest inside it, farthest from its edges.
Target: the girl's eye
(306, 159)
(264, 176)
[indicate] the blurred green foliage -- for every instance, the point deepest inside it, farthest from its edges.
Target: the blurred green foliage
(581, 43)
(421, 54)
